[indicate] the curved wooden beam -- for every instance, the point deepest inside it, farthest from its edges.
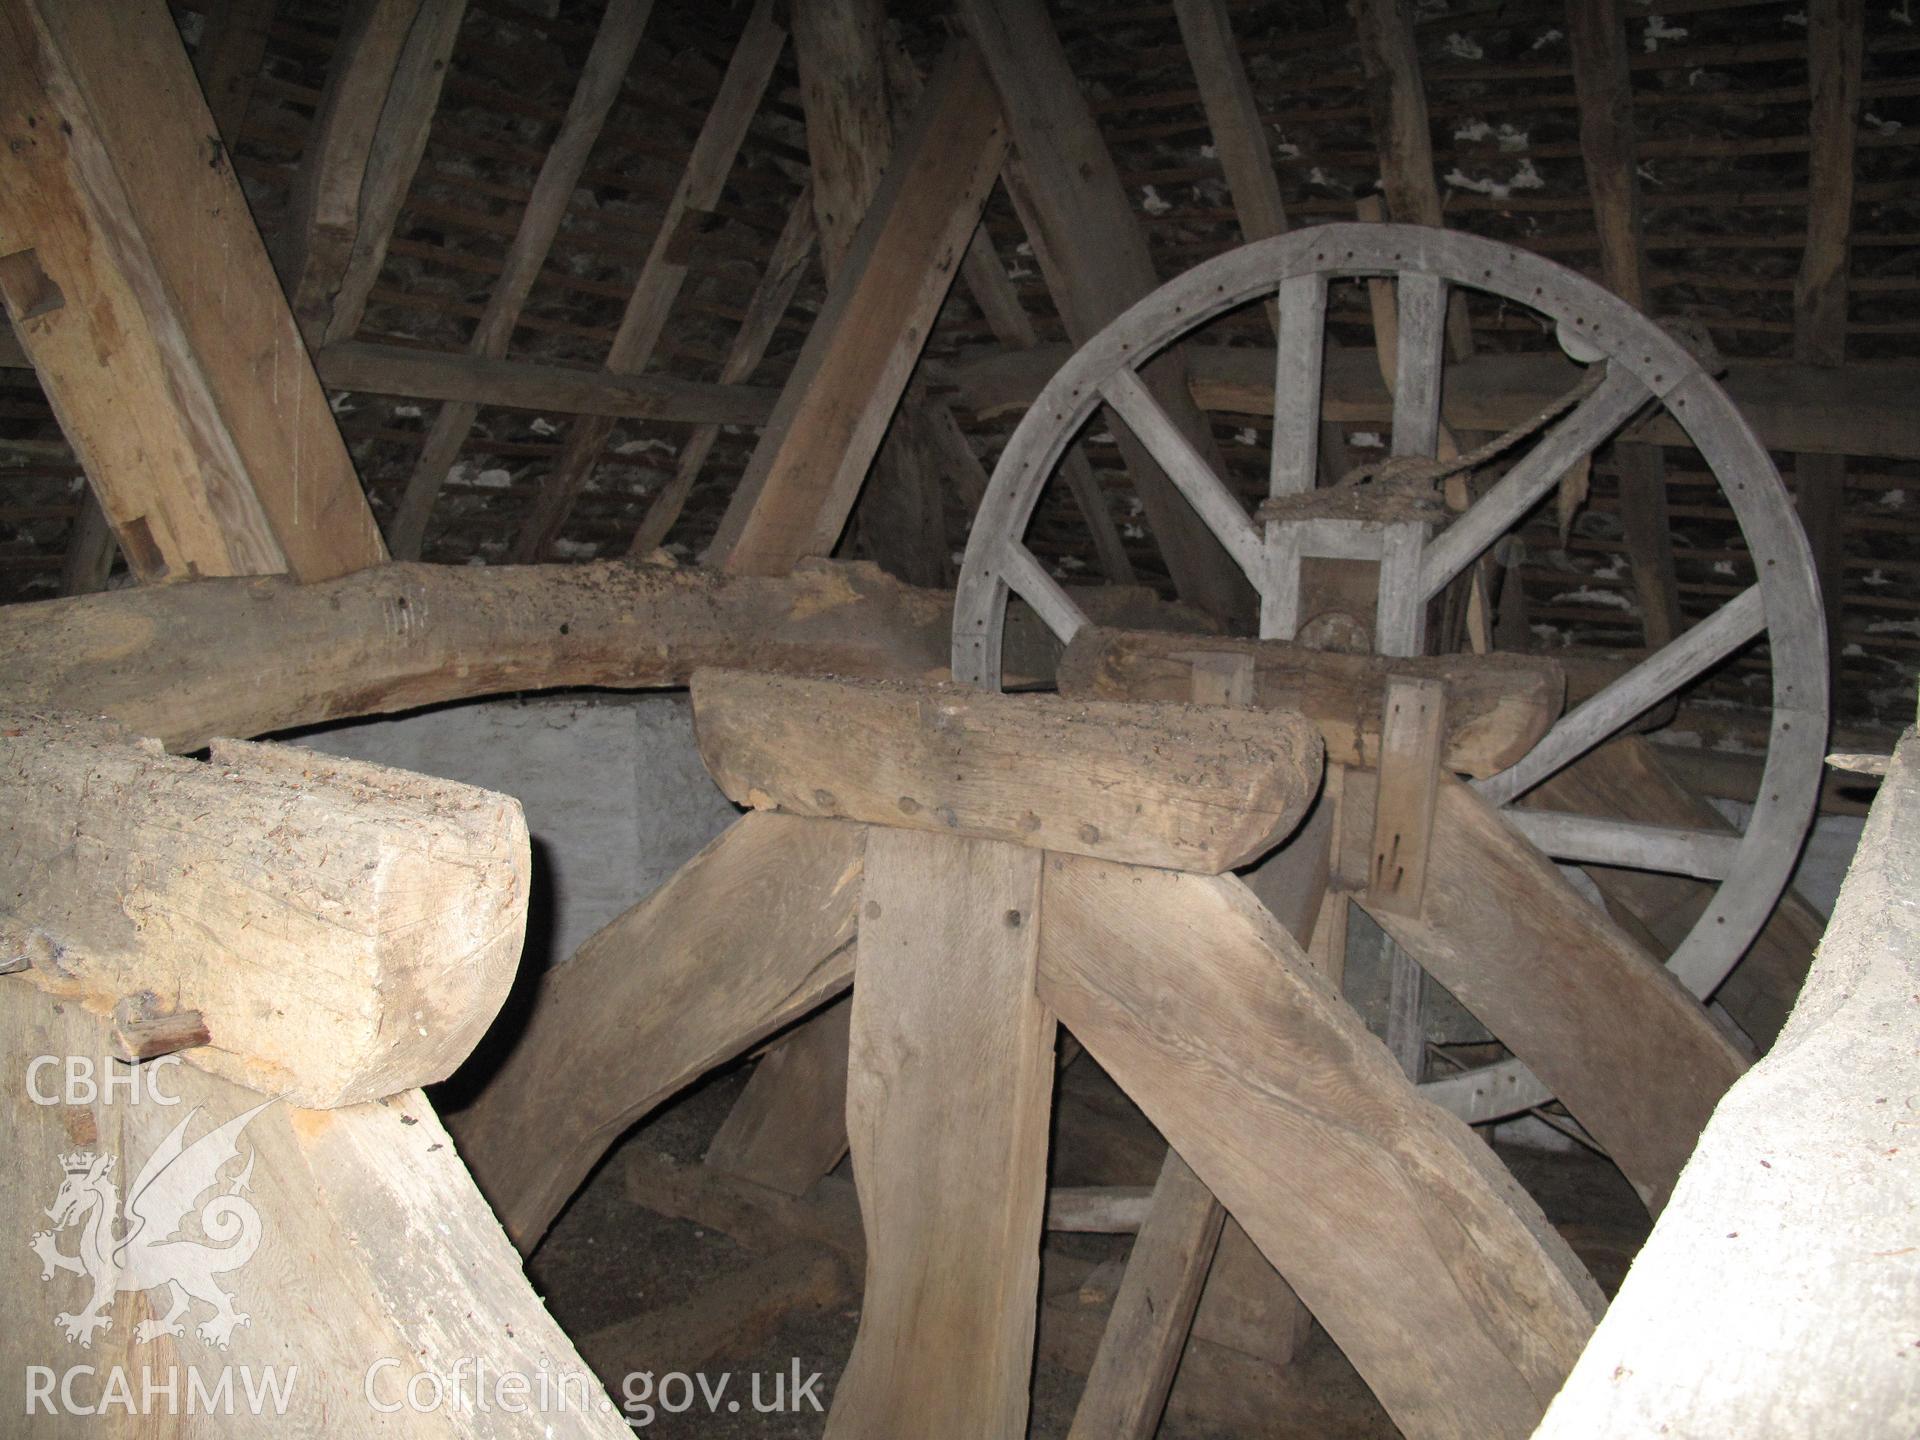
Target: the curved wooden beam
(190, 661)
(1422, 1257)
(751, 933)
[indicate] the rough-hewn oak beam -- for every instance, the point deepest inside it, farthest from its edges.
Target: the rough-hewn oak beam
(1200, 788)
(345, 931)
(324, 213)
(948, 1093)
(1422, 1257)
(806, 471)
(1632, 779)
(393, 155)
(1403, 132)
(1611, 1031)
(373, 1242)
(748, 935)
(188, 662)
(233, 43)
(182, 384)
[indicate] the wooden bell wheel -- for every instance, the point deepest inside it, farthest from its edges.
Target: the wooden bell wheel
(1639, 368)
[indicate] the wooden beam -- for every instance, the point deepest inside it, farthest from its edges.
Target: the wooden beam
(345, 931)
(769, 302)
(1610, 1031)
(1093, 253)
(1603, 86)
(232, 48)
(1596, 36)
(393, 155)
(1498, 706)
(1403, 133)
(839, 49)
(1190, 788)
(854, 77)
(1240, 137)
(805, 473)
(789, 1126)
(1126, 1390)
(355, 1237)
(1247, 1306)
(1863, 411)
(993, 291)
(900, 516)
(183, 386)
(1413, 722)
(759, 1218)
(947, 1105)
(1649, 536)
(601, 78)
(663, 272)
(323, 216)
(1398, 97)
(1432, 1270)
(1764, 1300)
(90, 550)
(1172, 1263)
(1239, 134)
(192, 661)
(1836, 39)
(471, 381)
(748, 935)
(1820, 290)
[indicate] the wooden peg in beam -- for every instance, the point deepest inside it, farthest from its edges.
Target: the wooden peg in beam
(141, 1034)
(1412, 724)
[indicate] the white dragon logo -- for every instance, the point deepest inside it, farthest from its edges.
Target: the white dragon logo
(150, 1252)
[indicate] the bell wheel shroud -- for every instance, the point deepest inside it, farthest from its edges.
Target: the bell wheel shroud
(1643, 369)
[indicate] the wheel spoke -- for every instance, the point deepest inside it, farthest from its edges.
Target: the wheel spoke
(1499, 510)
(1642, 687)
(1417, 364)
(1205, 491)
(1029, 579)
(1300, 354)
(1669, 849)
